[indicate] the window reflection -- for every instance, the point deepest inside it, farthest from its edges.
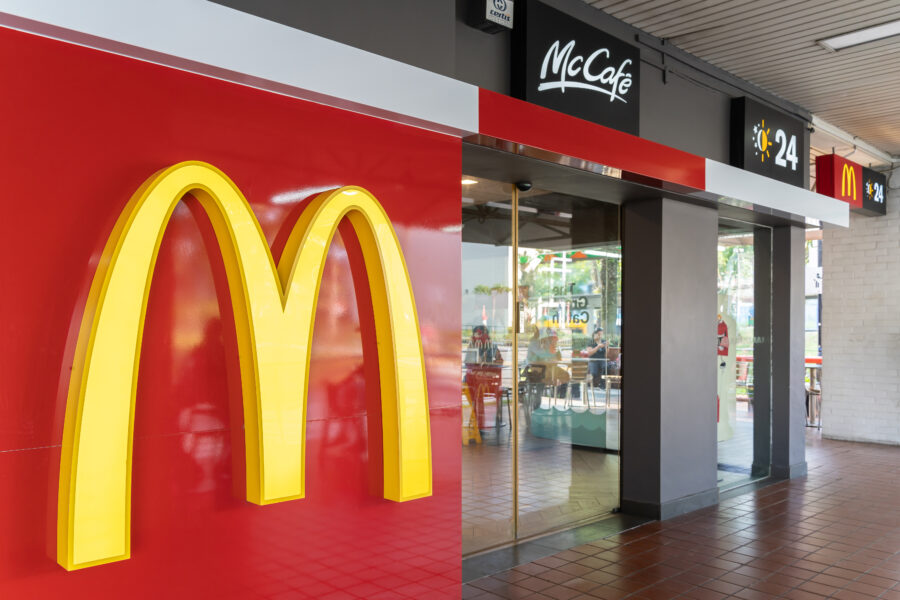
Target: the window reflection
(559, 386)
(568, 298)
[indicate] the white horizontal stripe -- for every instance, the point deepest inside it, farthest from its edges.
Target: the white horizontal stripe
(743, 186)
(215, 40)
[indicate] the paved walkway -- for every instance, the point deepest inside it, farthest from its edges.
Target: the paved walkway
(833, 534)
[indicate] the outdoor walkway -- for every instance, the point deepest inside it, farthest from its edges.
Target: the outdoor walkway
(833, 534)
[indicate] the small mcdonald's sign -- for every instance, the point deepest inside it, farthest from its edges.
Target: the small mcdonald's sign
(863, 189)
(839, 178)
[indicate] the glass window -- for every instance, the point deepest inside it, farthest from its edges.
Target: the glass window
(541, 353)
(488, 380)
(742, 434)
(569, 352)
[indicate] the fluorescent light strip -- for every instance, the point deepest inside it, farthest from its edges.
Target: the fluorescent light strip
(863, 36)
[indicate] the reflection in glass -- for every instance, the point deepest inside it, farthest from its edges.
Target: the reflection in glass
(559, 384)
(487, 457)
(735, 356)
(568, 298)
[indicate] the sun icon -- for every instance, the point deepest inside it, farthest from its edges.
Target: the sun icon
(761, 141)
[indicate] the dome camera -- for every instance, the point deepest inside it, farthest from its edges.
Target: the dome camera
(523, 186)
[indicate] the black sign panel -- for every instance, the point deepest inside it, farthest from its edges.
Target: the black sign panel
(874, 192)
(768, 142)
(567, 65)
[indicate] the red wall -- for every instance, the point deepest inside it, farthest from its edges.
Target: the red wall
(80, 130)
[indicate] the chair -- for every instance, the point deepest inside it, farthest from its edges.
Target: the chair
(814, 398)
(581, 376)
(743, 379)
(470, 430)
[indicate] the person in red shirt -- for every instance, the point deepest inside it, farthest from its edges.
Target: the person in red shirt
(722, 337)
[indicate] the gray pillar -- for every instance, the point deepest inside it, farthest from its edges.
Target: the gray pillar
(762, 352)
(669, 357)
(788, 370)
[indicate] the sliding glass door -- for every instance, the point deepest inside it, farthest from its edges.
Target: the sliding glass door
(541, 354)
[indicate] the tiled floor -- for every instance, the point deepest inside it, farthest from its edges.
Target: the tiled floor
(558, 484)
(736, 453)
(834, 534)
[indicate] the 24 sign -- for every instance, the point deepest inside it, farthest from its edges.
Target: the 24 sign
(767, 141)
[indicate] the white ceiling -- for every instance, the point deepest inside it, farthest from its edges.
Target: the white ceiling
(772, 43)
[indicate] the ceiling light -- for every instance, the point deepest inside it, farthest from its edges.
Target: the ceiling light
(469, 181)
(855, 38)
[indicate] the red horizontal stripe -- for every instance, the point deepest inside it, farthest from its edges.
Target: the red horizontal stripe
(524, 123)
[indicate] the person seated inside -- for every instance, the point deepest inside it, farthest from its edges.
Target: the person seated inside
(546, 355)
(596, 356)
(483, 370)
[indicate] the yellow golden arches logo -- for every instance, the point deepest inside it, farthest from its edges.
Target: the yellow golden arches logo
(848, 181)
(274, 309)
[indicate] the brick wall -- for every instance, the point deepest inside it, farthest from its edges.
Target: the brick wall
(861, 327)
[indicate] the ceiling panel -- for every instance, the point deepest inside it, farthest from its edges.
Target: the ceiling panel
(772, 43)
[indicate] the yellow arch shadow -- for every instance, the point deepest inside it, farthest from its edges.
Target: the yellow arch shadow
(274, 309)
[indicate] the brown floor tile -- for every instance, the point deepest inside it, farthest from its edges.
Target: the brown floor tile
(881, 582)
(851, 595)
(581, 585)
(842, 573)
(551, 562)
(576, 570)
(748, 594)
(834, 534)
(592, 562)
(701, 593)
(606, 592)
(559, 592)
(738, 579)
(863, 588)
(797, 594)
(753, 572)
(795, 571)
(600, 577)
(534, 584)
(818, 588)
(769, 587)
(555, 576)
(724, 587)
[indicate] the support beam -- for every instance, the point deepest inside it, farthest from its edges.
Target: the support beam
(669, 394)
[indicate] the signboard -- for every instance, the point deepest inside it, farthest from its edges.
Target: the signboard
(874, 192)
(768, 142)
(491, 16)
(274, 311)
(565, 64)
(863, 189)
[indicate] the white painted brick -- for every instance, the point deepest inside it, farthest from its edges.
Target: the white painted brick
(861, 328)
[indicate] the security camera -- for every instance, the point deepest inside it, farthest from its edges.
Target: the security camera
(523, 186)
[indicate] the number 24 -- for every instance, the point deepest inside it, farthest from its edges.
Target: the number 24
(787, 150)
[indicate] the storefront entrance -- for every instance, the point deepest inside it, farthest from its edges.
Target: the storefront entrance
(743, 308)
(541, 339)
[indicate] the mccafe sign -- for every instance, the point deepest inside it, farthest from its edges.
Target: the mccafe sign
(567, 65)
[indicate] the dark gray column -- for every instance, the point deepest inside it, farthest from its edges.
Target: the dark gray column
(762, 352)
(669, 383)
(788, 389)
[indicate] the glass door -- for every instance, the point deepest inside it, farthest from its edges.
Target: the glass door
(569, 356)
(541, 359)
(488, 365)
(742, 352)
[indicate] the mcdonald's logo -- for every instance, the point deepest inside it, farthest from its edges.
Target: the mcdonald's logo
(274, 309)
(848, 182)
